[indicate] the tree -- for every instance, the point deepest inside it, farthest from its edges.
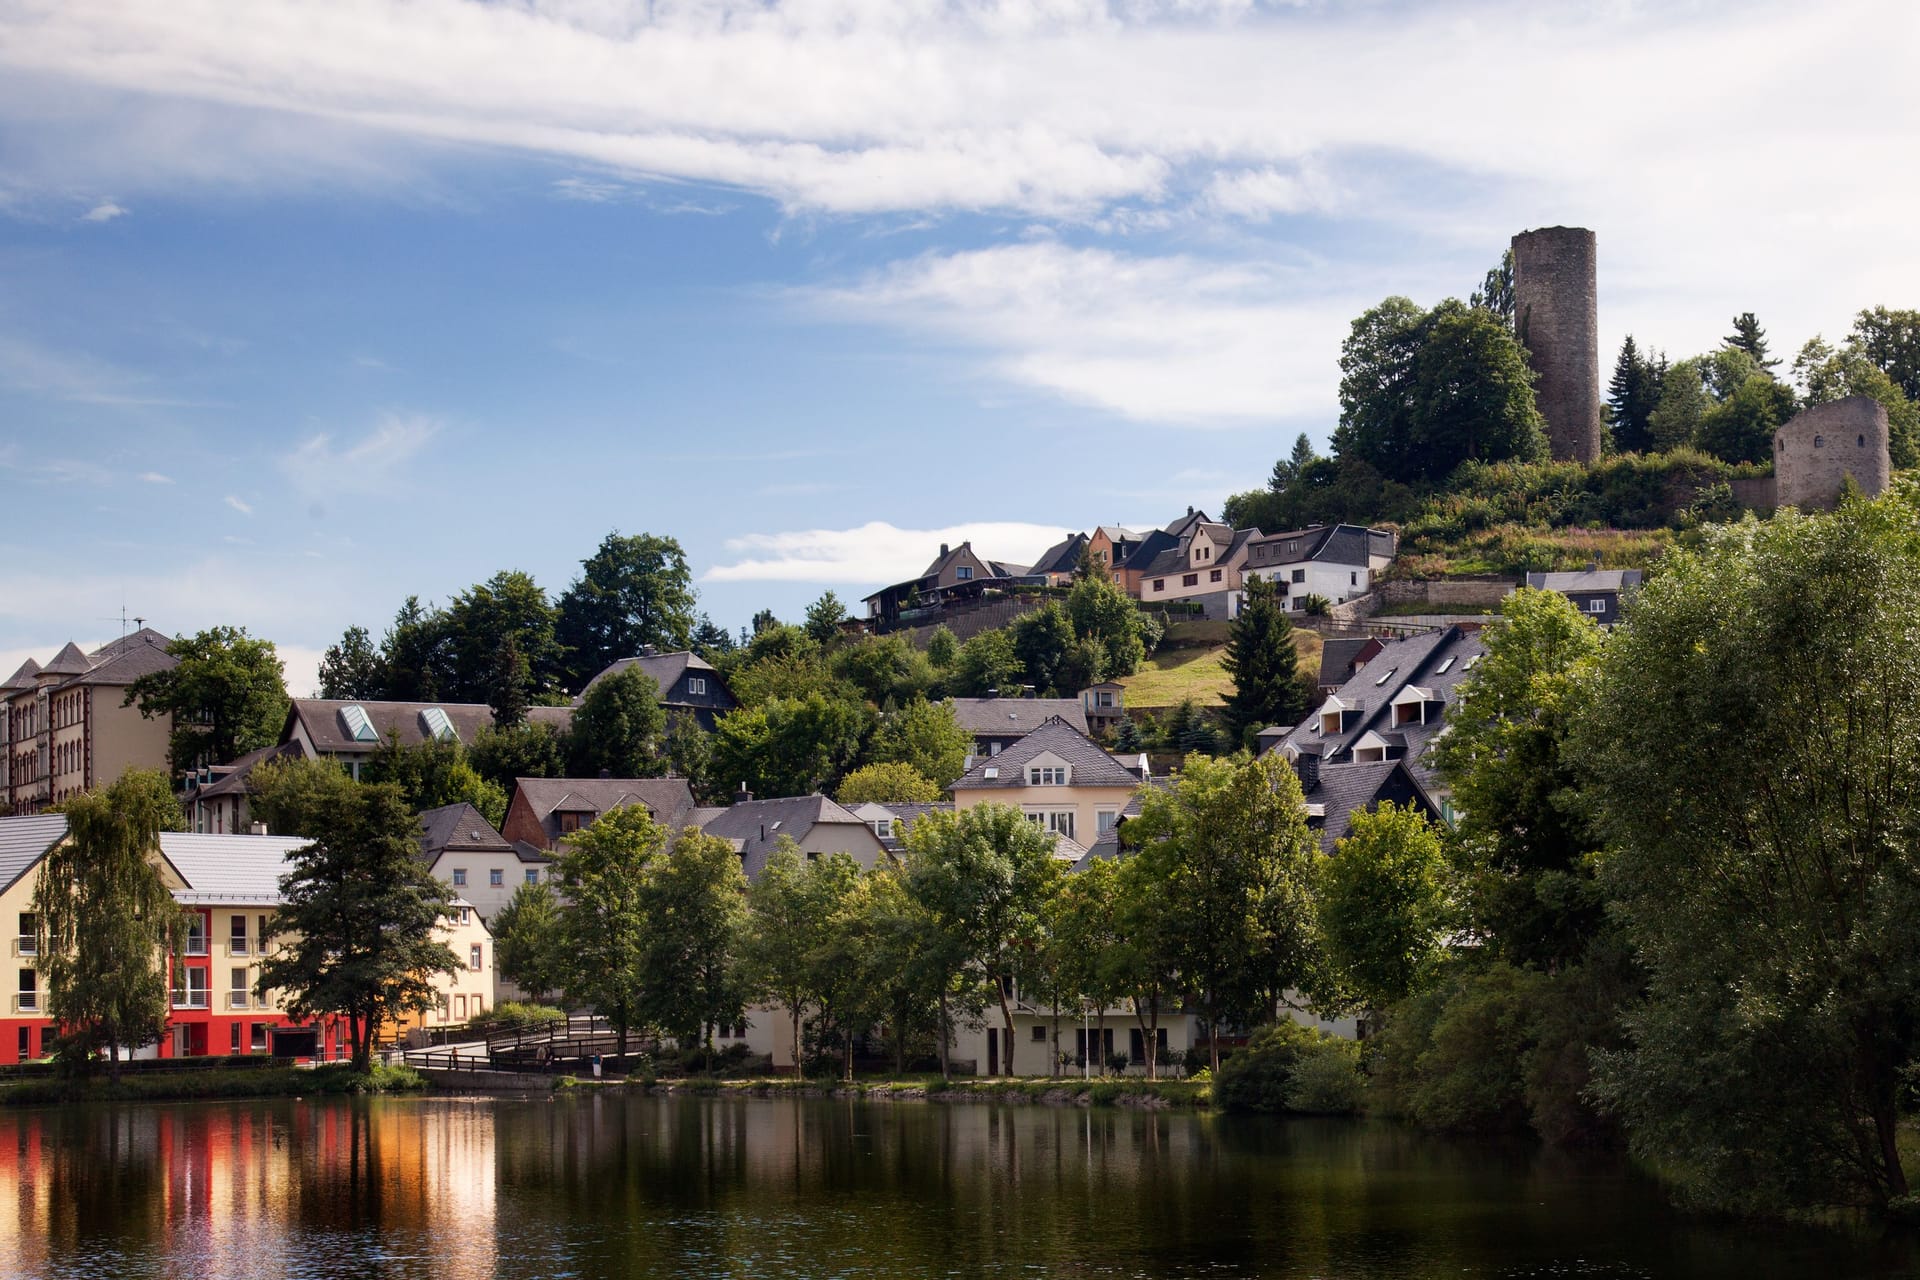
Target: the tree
(1053, 659)
(1632, 396)
(925, 737)
(1268, 686)
(508, 684)
(1101, 612)
(983, 877)
(104, 916)
(434, 773)
(1495, 293)
(1749, 337)
(691, 978)
(710, 640)
(416, 654)
(1741, 427)
(1148, 947)
(1377, 398)
(788, 746)
(1825, 375)
(527, 941)
(227, 696)
(839, 966)
(986, 666)
(1523, 832)
(601, 874)
(1288, 470)
(1229, 847)
(299, 797)
(632, 592)
(509, 606)
(361, 913)
(1751, 750)
(901, 988)
(527, 750)
(1890, 341)
(943, 650)
(352, 668)
(824, 617)
(1382, 905)
(885, 669)
(1675, 419)
(887, 784)
(690, 755)
(1084, 934)
(618, 728)
(783, 930)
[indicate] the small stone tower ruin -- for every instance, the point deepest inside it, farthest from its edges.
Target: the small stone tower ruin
(1556, 314)
(1815, 452)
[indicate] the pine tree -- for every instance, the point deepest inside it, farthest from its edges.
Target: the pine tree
(105, 917)
(1268, 685)
(1631, 396)
(507, 688)
(1749, 337)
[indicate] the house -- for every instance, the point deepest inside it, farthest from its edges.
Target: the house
(814, 823)
(215, 795)
(998, 723)
(1335, 792)
(956, 574)
(479, 864)
(64, 730)
(1059, 562)
(544, 811)
(1194, 559)
(352, 730)
(1341, 657)
(891, 822)
(1335, 562)
(1056, 775)
(1594, 591)
(1104, 706)
(1392, 709)
(229, 887)
(1112, 546)
(688, 684)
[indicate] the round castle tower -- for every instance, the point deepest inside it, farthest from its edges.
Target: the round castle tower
(1556, 315)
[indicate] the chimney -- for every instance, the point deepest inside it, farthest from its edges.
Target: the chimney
(257, 829)
(1307, 767)
(944, 549)
(742, 796)
(1189, 510)
(1593, 566)
(606, 773)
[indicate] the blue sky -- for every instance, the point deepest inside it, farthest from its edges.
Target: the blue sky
(305, 307)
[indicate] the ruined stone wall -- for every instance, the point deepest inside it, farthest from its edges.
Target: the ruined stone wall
(1556, 314)
(1815, 452)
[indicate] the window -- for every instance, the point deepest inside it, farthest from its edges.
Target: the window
(460, 1008)
(1299, 575)
(883, 827)
(1189, 579)
(1353, 579)
(1596, 605)
(1159, 584)
(28, 1000)
(533, 876)
(257, 1041)
(569, 822)
(1819, 442)
(1039, 1032)
(196, 935)
(1862, 442)
(459, 877)
(1106, 820)
(963, 573)
(473, 957)
(193, 994)
(1047, 776)
(28, 942)
(26, 1043)
(237, 990)
(1058, 821)
(263, 935)
(1215, 575)
(233, 1037)
(464, 915)
(496, 878)
(1383, 679)
(237, 936)
(696, 684)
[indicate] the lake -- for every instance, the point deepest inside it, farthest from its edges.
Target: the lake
(612, 1186)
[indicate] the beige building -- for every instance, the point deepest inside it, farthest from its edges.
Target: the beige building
(1059, 778)
(63, 729)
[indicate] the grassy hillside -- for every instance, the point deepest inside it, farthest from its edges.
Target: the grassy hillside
(1193, 670)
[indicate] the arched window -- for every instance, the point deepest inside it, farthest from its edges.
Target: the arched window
(1863, 442)
(1819, 442)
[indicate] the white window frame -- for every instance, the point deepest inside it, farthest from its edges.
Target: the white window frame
(1047, 775)
(696, 684)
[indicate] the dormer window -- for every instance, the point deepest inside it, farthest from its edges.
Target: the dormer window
(883, 827)
(1371, 749)
(696, 684)
(1047, 776)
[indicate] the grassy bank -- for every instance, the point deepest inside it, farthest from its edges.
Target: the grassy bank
(277, 1082)
(1065, 1092)
(1172, 675)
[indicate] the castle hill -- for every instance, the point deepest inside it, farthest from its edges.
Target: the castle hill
(815, 639)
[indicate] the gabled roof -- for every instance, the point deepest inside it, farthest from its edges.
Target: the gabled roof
(903, 815)
(1341, 790)
(232, 779)
(669, 800)
(24, 841)
(1062, 556)
(1092, 766)
(459, 828)
(324, 720)
(1014, 717)
(664, 669)
(1117, 534)
(229, 869)
(1587, 580)
(70, 661)
(1155, 542)
(754, 827)
(1337, 657)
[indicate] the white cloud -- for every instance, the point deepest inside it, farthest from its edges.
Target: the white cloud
(105, 211)
(154, 477)
(875, 553)
(242, 507)
(373, 464)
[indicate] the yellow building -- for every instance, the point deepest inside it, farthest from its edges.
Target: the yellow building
(63, 729)
(1060, 778)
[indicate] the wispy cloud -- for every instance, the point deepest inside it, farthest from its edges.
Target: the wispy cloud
(590, 190)
(372, 464)
(79, 378)
(105, 211)
(876, 553)
(154, 477)
(243, 508)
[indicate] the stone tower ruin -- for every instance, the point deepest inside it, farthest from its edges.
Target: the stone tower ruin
(1556, 315)
(1819, 449)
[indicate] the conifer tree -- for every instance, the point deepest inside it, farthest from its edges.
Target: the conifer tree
(1268, 685)
(1631, 396)
(1749, 337)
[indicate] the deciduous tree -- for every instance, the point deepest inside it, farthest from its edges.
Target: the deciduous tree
(618, 728)
(887, 784)
(633, 591)
(925, 737)
(1382, 906)
(601, 874)
(227, 696)
(527, 943)
(691, 977)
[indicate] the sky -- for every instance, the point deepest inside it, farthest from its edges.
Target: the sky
(310, 305)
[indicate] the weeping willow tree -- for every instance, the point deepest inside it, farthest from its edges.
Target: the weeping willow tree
(107, 919)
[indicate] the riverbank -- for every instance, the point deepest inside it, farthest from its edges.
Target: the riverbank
(180, 1086)
(1191, 1095)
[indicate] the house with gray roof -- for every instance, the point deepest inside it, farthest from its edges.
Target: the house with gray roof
(352, 730)
(957, 575)
(1342, 657)
(1596, 592)
(480, 865)
(544, 811)
(688, 684)
(1337, 562)
(64, 727)
(815, 824)
(1195, 560)
(998, 723)
(1061, 779)
(891, 822)
(216, 795)
(1058, 563)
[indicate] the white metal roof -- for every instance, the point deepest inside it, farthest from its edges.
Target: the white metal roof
(24, 840)
(221, 869)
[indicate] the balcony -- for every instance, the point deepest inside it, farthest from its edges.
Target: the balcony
(27, 1002)
(26, 945)
(238, 1000)
(193, 999)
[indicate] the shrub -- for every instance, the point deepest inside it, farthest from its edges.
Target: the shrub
(1288, 1067)
(510, 1014)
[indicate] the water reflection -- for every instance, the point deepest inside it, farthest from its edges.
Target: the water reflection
(607, 1186)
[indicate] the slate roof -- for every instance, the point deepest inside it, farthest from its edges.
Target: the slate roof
(70, 661)
(1092, 766)
(754, 827)
(1336, 657)
(1062, 556)
(233, 776)
(459, 828)
(1117, 534)
(23, 678)
(1614, 580)
(24, 841)
(127, 663)
(903, 815)
(229, 869)
(329, 734)
(669, 800)
(1010, 717)
(1341, 790)
(1436, 661)
(664, 669)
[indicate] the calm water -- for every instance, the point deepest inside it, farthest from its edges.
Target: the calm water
(625, 1187)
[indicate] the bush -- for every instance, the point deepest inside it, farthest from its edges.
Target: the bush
(1290, 1068)
(513, 1014)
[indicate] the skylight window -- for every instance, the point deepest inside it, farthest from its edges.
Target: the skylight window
(359, 723)
(1470, 661)
(1383, 679)
(1442, 670)
(438, 726)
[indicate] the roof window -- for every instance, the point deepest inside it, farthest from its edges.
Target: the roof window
(359, 724)
(437, 725)
(1443, 667)
(1383, 679)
